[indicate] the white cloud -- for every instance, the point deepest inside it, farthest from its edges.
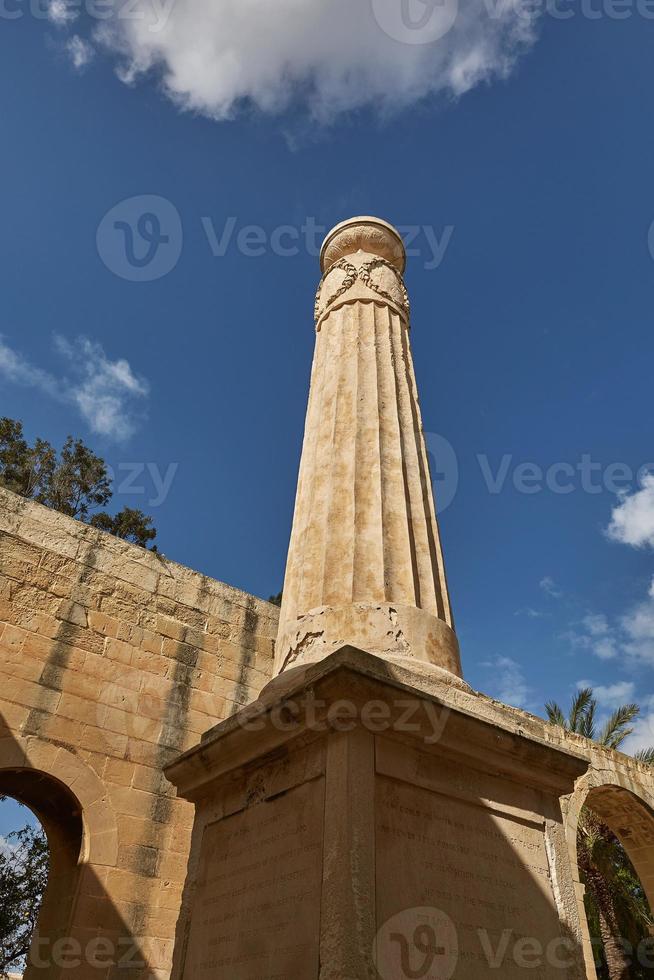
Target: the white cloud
(600, 636)
(509, 681)
(638, 628)
(643, 736)
(631, 636)
(62, 12)
(612, 695)
(605, 648)
(79, 51)
(530, 613)
(14, 367)
(331, 56)
(595, 635)
(550, 588)
(105, 392)
(632, 521)
(596, 624)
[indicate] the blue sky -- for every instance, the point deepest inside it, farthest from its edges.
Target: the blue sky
(521, 140)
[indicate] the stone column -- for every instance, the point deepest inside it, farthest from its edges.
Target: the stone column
(365, 565)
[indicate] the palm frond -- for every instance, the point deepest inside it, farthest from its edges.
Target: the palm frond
(619, 727)
(580, 705)
(646, 756)
(555, 715)
(587, 727)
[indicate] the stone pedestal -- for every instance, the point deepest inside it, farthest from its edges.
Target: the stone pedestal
(361, 821)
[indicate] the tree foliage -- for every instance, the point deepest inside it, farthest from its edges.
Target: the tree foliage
(77, 483)
(619, 917)
(23, 468)
(24, 861)
(131, 525)
(74, 482)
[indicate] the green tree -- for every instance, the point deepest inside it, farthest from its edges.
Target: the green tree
(24, 861)
(616, 905)
(23, 468)
(77, 483)
(74, 482)
(130, 524)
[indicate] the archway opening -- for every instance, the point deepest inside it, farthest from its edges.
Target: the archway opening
(615, 852)
(40, 871)
(24, 866)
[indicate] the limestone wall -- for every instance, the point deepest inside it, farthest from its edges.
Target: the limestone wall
(113, 661)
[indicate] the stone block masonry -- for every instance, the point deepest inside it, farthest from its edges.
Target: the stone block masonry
(113, 660)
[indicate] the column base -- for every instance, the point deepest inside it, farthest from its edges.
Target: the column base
(359, 828)
(387, 630)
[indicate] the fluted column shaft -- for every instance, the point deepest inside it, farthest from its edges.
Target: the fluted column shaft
(365, 565)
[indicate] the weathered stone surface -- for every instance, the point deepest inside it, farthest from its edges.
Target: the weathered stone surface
(257, 907)
(365, 564)
(450, 808)
(112, 661)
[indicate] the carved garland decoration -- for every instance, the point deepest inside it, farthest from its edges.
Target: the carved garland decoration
(364, 274)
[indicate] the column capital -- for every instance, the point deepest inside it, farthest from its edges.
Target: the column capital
(371, 235)
(362, 260)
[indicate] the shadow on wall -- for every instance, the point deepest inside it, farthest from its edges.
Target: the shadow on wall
(80, 933)
(112, 663)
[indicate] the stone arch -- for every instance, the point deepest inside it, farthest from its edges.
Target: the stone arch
(626, 805)
(72, 805)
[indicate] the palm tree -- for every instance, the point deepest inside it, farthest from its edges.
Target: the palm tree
(616, 905)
